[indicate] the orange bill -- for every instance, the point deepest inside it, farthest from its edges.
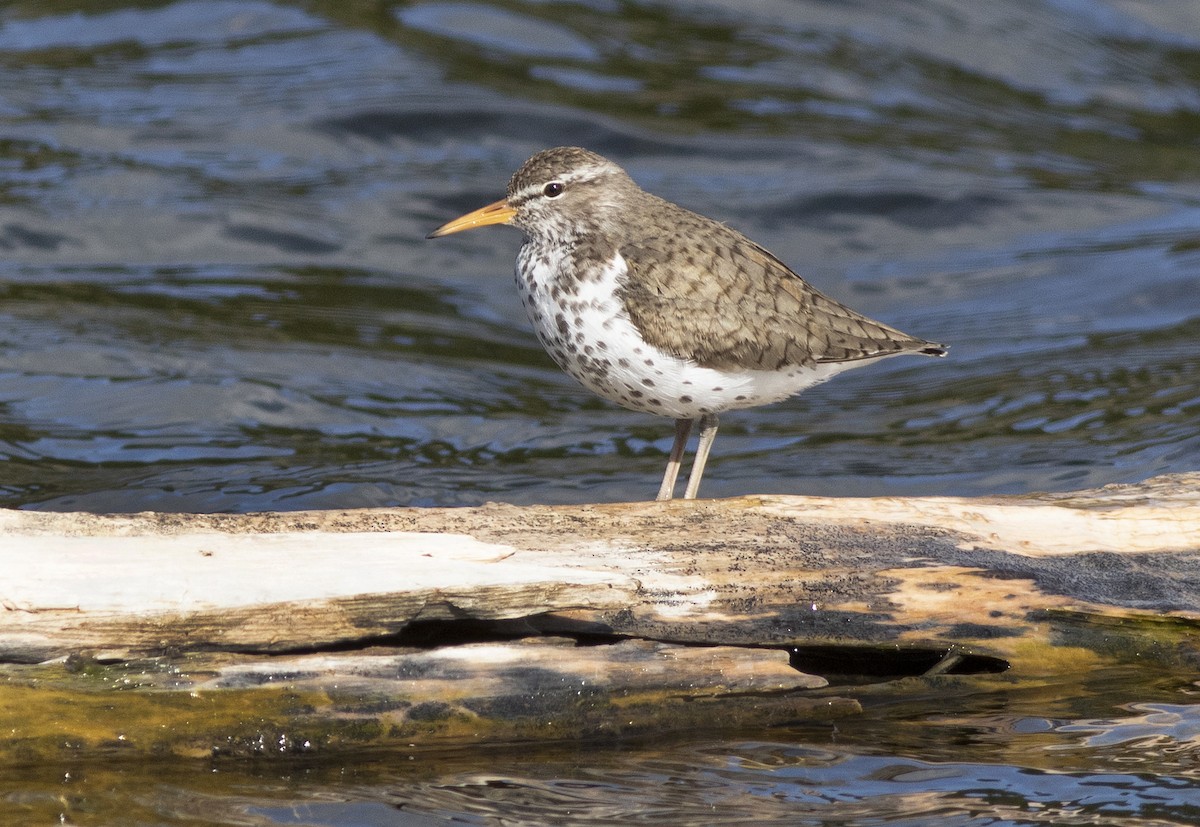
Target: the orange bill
(497, 213)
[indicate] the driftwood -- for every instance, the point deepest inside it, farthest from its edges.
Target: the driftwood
(286, 632)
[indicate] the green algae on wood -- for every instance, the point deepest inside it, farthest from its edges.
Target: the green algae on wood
(230, 705)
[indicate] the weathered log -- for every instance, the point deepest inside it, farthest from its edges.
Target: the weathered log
(328, 614)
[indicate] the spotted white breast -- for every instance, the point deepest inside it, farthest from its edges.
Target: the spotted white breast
(587, 332)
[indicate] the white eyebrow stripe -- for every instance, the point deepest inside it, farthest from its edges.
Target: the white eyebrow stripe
(578, 174)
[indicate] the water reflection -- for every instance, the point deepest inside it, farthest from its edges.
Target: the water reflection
(761, 782)
(964, 751)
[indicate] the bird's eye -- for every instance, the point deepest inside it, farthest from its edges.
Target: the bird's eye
(553, 189)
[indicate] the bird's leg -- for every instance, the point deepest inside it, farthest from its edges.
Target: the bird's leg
(683, 429)
(708, 432)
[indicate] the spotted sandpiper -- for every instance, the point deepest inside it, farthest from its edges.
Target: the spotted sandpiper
(664, 311)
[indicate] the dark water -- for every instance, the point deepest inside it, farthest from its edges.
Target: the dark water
(215, 294)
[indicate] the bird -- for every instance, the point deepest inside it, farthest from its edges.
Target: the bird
(665, 311)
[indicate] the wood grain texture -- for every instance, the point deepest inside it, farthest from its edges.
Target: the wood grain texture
(345, 630)
(751, 570)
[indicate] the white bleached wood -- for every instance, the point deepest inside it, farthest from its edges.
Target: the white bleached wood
(908, 569)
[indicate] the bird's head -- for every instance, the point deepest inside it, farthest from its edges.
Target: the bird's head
(553, 195)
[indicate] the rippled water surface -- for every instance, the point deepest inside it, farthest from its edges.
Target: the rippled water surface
(216, 295)
(215, 291)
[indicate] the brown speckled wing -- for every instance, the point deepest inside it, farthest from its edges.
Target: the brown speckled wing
(703, 291)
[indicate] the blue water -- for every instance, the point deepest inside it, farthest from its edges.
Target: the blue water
(216, 295)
